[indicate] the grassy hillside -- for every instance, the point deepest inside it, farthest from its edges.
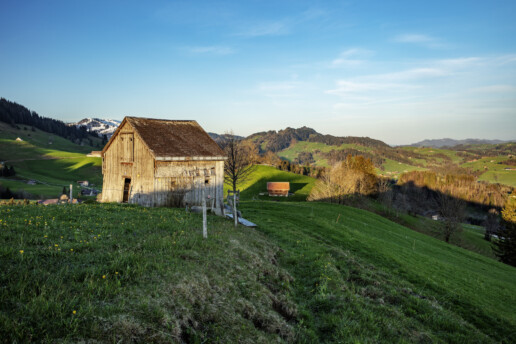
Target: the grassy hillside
(257, 183)
(359, 276)
(494, 170)
(119, 273)
(50, 159)
(310, 273)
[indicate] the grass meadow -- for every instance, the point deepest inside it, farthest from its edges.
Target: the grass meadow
(310, 273)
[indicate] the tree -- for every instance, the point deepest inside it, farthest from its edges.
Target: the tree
(353, 176)
(237, 167)
(452, 211)
(505, 246)
(491, 224)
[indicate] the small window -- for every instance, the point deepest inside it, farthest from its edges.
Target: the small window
(206, 181)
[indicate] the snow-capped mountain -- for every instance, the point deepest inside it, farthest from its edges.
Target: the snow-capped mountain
(101, 126)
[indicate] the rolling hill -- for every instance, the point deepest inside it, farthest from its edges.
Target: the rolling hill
(49, 159)
(311, 273)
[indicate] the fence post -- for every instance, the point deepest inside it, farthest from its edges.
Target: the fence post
(235, 214)
(204, 220)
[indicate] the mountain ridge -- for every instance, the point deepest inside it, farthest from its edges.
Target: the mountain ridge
(448, 142)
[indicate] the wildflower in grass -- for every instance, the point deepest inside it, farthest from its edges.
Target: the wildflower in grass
(45, 236)
(103, 276)
(71, 249)
(116, 272)
(56, 245)
(21, 251)
(74, 312)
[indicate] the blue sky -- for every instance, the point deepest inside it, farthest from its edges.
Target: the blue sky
(397, 71)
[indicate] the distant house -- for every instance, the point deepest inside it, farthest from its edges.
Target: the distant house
(83, 183)
(154, 162)
(278, 188)
(19, 139)
(94, 154)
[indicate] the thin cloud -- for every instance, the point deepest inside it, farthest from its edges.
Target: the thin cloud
(281, 27)
(351, 57)
(419, 39)
(347, 87)
(413, 74)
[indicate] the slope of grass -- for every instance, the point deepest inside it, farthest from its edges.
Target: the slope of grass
(119, 273)
(431, 152)
(55, 165)
(36, 144)
(257, 183)
(393, 168)
(293, 151)
(311, 273)
(360, 277)
(494, 170)
(470, 237)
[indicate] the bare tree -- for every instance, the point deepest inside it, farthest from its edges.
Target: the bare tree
(237, 167)
(452, 210)
(491, 224)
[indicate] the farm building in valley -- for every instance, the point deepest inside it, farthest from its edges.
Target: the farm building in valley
(154, 162)
(278, 188)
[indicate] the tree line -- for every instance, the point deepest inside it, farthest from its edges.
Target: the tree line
(14, 114)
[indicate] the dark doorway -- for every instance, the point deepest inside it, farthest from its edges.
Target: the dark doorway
(127, 187)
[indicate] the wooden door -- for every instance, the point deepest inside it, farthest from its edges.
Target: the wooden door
(127, 189)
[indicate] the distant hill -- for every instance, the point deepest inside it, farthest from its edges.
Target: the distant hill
(276, 141)
(100, 126)
(446, 142)
(15, 115)
(220, 138)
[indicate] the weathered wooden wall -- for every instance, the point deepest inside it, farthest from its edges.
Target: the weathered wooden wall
(191, 175)
(128, 157)
(153, 183)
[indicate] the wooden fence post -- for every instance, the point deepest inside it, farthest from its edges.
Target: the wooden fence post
(204, 220)
(235, 214)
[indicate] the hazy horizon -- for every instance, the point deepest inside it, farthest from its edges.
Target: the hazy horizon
(399, 72)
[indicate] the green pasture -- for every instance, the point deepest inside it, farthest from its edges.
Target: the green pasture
(310, 273)
(256, 184)
(362, 278)
(494, 170)
(394, 168)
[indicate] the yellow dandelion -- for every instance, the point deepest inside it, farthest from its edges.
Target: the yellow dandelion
(45, 236)
(56, 245)
(116, 272)
(74, 312)
(21, 251)
(104, 276)
(71, 249)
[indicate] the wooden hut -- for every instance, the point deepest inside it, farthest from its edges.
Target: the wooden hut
(278, 188)
(155, 162)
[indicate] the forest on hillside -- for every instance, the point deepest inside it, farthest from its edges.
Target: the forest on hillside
(16, 114)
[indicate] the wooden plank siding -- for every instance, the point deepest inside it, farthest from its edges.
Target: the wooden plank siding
(153, 182)
(117, 165)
